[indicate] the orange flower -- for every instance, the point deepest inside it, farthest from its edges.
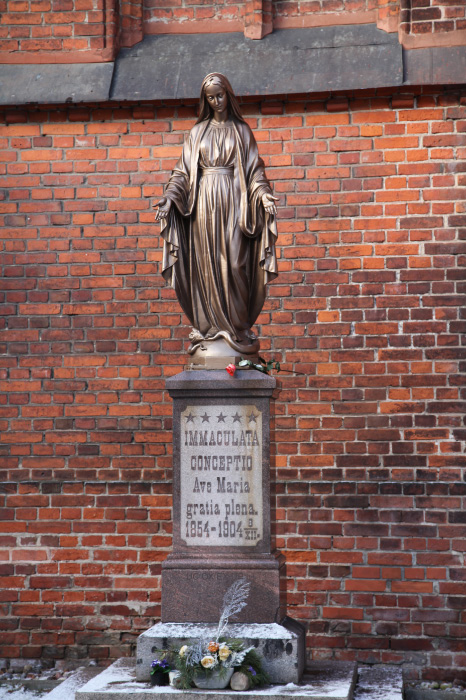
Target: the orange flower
(212, 647)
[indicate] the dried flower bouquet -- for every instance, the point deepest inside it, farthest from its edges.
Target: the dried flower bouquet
(206, 658)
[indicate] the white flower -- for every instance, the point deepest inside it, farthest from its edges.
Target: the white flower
(224, 652)
(183, 650)
(208, 661)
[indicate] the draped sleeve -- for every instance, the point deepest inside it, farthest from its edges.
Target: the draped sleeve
(173, 227)
(181, 189)
(255, 222)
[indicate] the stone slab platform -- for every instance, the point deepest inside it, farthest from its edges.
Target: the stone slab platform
(321, 681)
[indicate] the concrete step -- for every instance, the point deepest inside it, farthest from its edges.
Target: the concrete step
(379, 683)
(321, 681)
(66, 690)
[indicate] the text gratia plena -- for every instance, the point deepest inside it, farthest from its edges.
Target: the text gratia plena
(211, 508)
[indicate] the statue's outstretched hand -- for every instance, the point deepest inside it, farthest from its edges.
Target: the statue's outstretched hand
(268, 200)
(163, 207)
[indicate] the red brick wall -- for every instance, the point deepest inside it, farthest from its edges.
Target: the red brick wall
(130, 22)
(51, 25)
(436, 16)
(321, 12)
(67, 31)
(432, 23)
(192, 16)
(368, 463)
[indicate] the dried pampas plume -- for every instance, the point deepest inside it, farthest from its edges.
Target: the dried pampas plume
(234, 600)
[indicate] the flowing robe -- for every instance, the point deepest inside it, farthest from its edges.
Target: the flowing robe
(219, 242)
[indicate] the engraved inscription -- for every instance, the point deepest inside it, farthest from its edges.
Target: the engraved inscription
(221, 476)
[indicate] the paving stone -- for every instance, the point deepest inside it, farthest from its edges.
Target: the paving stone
(379, 683)
(321, 681)
(37, 684)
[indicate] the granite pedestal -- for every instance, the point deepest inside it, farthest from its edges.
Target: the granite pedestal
(221, 497)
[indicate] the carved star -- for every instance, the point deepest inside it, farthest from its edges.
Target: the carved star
(252, 417)
(236, 417)
(190, 418)
(221, 418)
(205, 418)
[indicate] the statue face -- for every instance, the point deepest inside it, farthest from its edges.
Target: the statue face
(217, 99)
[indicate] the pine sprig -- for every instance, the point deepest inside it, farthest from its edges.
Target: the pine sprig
(252, 668)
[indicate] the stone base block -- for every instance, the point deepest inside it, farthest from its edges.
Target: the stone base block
(327, 681)
(282, 647)
(195, 593)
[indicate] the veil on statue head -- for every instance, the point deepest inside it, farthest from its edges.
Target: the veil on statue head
(205, 111)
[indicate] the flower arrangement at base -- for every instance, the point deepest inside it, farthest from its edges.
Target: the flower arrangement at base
(210, 662)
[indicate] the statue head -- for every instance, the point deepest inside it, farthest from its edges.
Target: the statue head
(205, 111)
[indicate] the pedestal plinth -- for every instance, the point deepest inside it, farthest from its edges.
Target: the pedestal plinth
(221, 497)
(280, 646)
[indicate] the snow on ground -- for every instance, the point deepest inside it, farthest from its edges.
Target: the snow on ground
(7, 692)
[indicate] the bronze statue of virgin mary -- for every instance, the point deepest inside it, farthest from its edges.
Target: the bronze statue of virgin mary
(219, 229)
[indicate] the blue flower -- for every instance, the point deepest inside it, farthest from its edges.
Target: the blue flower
(160, 666)
(253, 673)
